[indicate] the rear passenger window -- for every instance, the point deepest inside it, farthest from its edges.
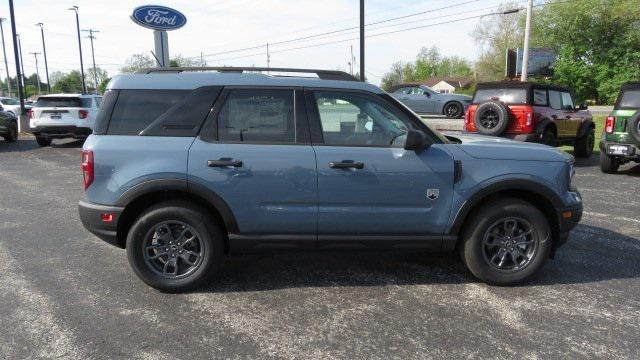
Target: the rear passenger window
(262, 116)
(540, 97)
(137, 109)
(555, 100)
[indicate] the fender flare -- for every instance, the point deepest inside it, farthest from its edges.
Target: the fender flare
(544, 124)
(159, 185)
(502, 185)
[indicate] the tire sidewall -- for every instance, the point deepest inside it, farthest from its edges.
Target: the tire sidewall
(503, 118)
(548, 138)
(472, 248)
(584, 146)
(210, 236)
(608, 164)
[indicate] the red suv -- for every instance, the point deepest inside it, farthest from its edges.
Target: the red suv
(531, 112)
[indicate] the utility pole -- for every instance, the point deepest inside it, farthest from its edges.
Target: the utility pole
(268, 57)
(201, 59)
(21, 61)
(35, 56)
(352, 60)
(84, 84)
(44, 49)
(527, 33)
(4, 52)
(93, 56)
(361, 40)
(17, 58)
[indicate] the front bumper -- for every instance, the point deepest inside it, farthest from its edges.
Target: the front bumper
(93, 218)
(568, 218)
(61, 131)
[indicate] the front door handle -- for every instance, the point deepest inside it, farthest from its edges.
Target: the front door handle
(224, 162)
(346, 164)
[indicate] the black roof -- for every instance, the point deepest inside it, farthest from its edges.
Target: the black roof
(518, 85)
(632, 85)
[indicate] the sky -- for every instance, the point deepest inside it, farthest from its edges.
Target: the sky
(223, 26)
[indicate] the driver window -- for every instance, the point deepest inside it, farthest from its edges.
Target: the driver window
(416, 91)
(351, 119)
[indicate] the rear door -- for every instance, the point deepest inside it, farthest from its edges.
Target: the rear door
(254, 153)
(369, 186)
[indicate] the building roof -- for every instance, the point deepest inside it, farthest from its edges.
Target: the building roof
(457, 82)
(194, 80)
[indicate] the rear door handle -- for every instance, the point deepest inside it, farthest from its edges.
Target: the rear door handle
(224, 162)
(346, 164)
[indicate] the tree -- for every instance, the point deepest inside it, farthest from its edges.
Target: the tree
(136, 62)
(102, 87)
(181, 61)
(494, 35)
(68, 83)
(102, 74)
(597, 41)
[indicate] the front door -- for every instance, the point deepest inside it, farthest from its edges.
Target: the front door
(368, 184)
(254, 153)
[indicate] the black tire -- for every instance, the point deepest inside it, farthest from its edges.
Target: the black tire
(453, 110)
(548, 137)
(479, 257)
(13, 133)
(583, 147)
(491, 118)
(634, 127)
(43, 141)
(141, 250)
(608, 164)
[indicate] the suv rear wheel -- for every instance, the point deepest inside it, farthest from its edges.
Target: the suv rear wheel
(174, 246)
(507, 242)
(43, 141)
(608, 164)
(454, 110)
(13, 133)
(583, 147)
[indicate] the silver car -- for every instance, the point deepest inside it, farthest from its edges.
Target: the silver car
(424, 100)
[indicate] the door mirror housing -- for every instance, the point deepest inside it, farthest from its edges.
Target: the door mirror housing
(427, 94)
(416, 140)
(583, 106)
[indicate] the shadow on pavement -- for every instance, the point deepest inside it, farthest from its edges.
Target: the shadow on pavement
(593, 254)
(28, 143)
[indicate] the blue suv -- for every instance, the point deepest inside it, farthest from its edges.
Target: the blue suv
(186, 166)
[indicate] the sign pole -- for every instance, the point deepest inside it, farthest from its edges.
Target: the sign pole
(527, 34)
(161, 41)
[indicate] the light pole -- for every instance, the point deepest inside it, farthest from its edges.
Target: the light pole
(525, 52)
(361, 40)
(84, 85)
(17, 59)
(35, 56)
(93, 56)
(44, 49)
(21, 62)
(4, 52)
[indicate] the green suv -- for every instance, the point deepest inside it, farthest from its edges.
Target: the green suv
(620, 142)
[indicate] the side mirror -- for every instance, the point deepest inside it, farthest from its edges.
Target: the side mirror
(583, 106)
(427, 94)
(416, 140)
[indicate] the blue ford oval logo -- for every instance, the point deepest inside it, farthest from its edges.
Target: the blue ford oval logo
(158, 17)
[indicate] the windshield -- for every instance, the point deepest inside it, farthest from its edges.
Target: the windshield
(9, 102)
(507, 96)
(630, 99)
(63, 102)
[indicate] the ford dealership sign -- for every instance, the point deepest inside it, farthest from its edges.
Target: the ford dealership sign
(158, 17)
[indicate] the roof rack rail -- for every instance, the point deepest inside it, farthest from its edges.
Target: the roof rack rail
(322, 74)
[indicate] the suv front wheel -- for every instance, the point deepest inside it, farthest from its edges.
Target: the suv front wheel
(583, 147)
(174, 246)
(608, 164)
(507, 242)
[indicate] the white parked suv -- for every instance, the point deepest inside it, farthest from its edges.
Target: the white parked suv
(63, 116)
(12, 105)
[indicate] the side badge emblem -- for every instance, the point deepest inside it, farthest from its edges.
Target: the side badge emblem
(433, 194)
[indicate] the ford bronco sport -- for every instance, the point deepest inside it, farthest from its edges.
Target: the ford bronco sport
(531, 112)
(620, 141)
(186, 165)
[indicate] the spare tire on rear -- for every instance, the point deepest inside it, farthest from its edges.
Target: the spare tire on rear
(491, 118)
(634, 127)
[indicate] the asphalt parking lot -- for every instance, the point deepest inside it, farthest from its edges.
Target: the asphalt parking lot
(66, 294)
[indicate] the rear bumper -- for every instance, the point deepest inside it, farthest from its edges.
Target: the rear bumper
(91, 216)
(635, 149)
(55, 132)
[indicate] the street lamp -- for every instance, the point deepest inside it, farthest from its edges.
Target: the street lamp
(44, 50)
(84, 85)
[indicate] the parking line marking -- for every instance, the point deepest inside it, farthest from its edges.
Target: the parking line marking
(609, 215)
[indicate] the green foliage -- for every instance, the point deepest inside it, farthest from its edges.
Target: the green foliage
(102, 88)
(136, 62)
(598, 44)
(68, 83)
(429, 63)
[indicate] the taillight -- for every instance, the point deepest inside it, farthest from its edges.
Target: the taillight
(87, 167)
(610, 124)
(31, 114)
(83, 114)
(529, 120)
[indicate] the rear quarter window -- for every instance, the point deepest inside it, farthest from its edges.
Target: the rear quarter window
(629, 99)
(508, 96)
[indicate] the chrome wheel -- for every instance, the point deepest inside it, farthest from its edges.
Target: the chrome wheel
(509, 245)
(173, 249)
